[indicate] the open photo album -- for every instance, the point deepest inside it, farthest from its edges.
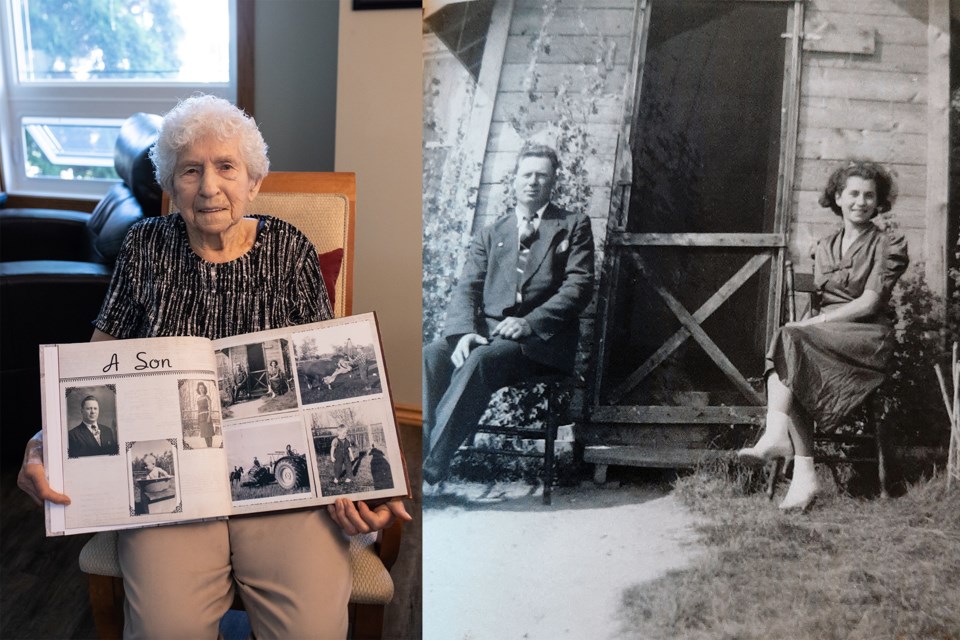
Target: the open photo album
(156, 431)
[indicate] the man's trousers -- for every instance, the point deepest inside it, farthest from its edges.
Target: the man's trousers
(455, 398)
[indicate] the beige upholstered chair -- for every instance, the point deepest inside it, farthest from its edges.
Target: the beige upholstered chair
(323, 207)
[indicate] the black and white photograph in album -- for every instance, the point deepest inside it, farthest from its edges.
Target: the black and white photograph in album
(351, 449)
(336, 363)
(153, 476)
(91, 421)
(761, 182)
(267, 462)
(200, 414)
(256, 379)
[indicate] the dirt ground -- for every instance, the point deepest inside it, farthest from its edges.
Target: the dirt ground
(499, 564)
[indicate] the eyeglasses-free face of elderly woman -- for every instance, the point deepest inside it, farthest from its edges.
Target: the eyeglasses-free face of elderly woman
(189, 274)
(212, 165)
(211, 189)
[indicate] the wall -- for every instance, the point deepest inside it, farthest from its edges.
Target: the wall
(295, 69)
(379, 106)
(563, 83)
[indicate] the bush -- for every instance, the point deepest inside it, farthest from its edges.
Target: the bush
(523, 406)
(912, 410)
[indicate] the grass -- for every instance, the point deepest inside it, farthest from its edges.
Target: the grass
(848, 568)
(363, 481)
(279, 403)
(265, 491)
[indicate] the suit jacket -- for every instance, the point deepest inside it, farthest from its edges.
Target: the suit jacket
(80, 442)
(557, 284)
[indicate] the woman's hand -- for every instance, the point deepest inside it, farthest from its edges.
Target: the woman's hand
(32, 480)
(357, 517)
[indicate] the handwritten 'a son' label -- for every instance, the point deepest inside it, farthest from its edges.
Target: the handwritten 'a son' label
(143, 362)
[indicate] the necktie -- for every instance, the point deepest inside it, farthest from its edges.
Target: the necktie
(526, 233)
(95, 430)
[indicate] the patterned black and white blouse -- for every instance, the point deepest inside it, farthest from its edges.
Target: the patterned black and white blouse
(160, 287)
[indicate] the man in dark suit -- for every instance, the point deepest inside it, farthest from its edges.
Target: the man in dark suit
(514, 313)
(90, 438)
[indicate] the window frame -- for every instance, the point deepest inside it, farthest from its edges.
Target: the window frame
(103, 99)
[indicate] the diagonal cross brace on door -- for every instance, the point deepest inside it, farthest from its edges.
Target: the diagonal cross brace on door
(690, 327)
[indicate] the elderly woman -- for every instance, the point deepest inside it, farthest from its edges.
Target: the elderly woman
(823, 367)
(211, 270)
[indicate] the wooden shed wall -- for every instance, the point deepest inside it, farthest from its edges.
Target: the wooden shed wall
(879, 105)
(884, 104)
(567, 49)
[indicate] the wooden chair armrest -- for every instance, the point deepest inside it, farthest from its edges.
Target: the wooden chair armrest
(388, 543)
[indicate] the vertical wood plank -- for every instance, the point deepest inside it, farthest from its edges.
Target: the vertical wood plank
(481, 113)
(938, 146)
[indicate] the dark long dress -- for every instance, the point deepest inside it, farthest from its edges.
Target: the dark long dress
(831, 368)
(203, 417)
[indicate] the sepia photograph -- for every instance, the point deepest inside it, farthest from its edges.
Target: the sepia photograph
(92, 412)
(153, 477)
(687, 265)
(337, 363)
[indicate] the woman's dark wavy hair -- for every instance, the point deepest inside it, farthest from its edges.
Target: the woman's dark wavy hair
(886, 187)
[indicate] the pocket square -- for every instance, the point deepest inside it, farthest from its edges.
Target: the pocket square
(563, 246)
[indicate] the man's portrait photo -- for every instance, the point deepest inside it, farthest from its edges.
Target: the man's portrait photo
(93, 412)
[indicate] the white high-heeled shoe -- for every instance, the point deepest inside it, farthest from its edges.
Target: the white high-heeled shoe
(775, 441)
(804, 486)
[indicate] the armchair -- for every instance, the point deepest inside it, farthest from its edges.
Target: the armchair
(54, 270)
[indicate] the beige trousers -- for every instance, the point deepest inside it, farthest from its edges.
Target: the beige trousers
(291, 569)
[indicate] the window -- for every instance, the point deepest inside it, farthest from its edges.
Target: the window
(72, 74)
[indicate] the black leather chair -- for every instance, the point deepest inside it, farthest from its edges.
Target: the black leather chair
(54, 270)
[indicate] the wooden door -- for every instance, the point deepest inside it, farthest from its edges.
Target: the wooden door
(690, 289)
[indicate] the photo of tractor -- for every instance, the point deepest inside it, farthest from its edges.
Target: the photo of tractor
(287, 470)
(282, 473)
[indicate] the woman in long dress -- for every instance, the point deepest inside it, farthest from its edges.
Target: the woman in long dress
(276, 380)
(823, 367)
(203, 414)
